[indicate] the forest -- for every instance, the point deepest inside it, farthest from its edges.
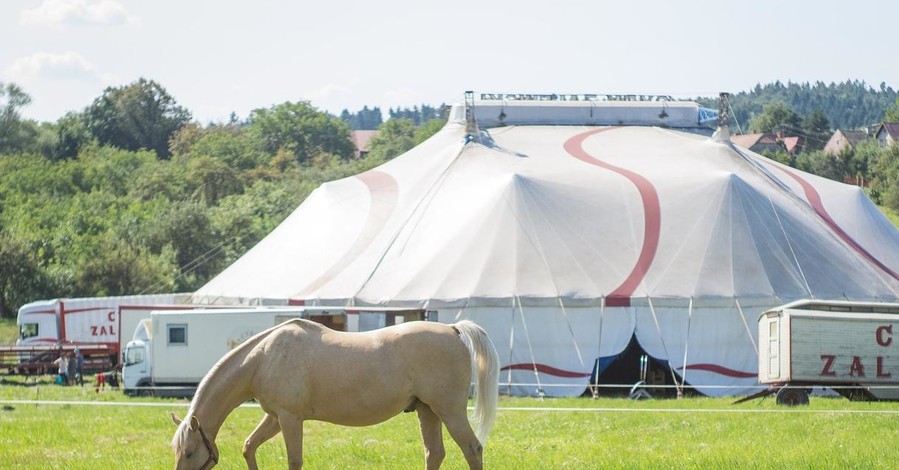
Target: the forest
(132, 195)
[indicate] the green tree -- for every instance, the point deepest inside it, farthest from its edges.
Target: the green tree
(71, 136)
(20, 276)
(817, 129)
(395, 137)
(776, 117)
(885, 186)
(186, 232)
(213, 179)
(861, 159)
(16, 134)
(892, 112)
(230, 144)
(141, 115)
(826, 165)
(119, 268)
(427, 129)
(300, 129)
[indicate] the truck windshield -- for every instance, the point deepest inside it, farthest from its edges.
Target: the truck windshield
(134, 355)
(27, 330)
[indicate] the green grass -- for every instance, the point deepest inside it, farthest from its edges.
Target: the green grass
(604, 433)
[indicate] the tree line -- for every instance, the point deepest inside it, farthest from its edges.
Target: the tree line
(131, 195)
(809, 112)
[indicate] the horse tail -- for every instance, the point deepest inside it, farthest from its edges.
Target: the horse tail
(485, 365)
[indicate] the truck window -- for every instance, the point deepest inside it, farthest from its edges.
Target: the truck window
(28, 330)
(177, 334)
(134, 355)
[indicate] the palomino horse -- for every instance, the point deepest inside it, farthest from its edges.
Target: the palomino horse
(301, 370)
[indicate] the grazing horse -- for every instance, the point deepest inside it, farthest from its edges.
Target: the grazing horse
(301, 370)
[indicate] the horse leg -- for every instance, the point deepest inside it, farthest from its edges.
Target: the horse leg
(265, 430)
(460, 430)
(432, 435)
(292, 431)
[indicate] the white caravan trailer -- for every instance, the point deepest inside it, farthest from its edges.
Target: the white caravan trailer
(172, 351)
(851, 347)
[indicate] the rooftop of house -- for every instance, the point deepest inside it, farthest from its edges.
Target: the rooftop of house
(891, 128)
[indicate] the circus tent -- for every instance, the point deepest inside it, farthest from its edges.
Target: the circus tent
(568, 228)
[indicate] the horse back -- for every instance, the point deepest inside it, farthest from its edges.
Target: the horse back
(335, 376)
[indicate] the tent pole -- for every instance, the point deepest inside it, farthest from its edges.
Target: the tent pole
(602, 309)
(511, 344)
(577, 348)
(527, 335)
(686, 346)
(746, 325)
(652, 310)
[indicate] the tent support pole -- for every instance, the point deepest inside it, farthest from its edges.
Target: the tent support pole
(540, 392)
(677, 385)
(595, 389)
(680, 393)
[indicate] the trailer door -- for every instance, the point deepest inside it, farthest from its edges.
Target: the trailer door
(774, 348)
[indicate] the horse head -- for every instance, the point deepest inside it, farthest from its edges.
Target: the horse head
(193, 448)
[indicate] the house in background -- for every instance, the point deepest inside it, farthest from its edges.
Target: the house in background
(361, 140)
(768, 142)
(887, 133)
(844, 140)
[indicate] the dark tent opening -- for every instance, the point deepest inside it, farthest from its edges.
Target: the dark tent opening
(633, 373)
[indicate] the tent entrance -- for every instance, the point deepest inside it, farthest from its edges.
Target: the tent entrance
(631, 373)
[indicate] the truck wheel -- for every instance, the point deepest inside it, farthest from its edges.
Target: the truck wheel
(790, 396)
(145, 393)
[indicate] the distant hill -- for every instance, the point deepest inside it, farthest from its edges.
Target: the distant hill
(848, 105)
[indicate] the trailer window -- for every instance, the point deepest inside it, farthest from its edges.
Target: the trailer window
(28, 330)
(177, 334)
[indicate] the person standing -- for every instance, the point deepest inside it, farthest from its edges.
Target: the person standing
(70, 368)
(63, 363)
(79, 367)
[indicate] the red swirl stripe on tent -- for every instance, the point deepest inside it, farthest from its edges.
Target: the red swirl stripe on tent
(721, 370)
(621, 296)
(384, 191)
(814, 198)
(545, 369)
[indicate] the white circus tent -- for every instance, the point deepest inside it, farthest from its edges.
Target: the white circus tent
(567, 228)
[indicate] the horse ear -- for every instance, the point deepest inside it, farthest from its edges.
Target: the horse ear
(194, 423)
(175, 419)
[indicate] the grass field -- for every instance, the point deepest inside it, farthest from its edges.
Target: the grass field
(529, 434)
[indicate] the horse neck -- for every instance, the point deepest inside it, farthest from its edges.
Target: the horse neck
(225, 388)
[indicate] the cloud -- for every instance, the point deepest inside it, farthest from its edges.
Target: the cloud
(329, 92)
(403, 97)
(78, 13)
(67, 66)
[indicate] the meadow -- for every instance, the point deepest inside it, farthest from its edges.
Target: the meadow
(79, 428)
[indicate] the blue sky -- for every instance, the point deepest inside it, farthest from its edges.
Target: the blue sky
(218, 57)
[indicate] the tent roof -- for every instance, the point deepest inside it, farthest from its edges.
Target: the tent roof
(549, 213)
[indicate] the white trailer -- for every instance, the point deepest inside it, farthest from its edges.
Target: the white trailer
(84, 321)
(172, 351)
(847, 346)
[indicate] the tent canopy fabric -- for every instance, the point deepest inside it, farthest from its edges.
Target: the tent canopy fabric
(654, 230)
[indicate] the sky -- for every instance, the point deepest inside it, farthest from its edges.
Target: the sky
(227, 56)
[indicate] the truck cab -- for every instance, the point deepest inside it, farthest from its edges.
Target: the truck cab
(137, 361)
(37, 324)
